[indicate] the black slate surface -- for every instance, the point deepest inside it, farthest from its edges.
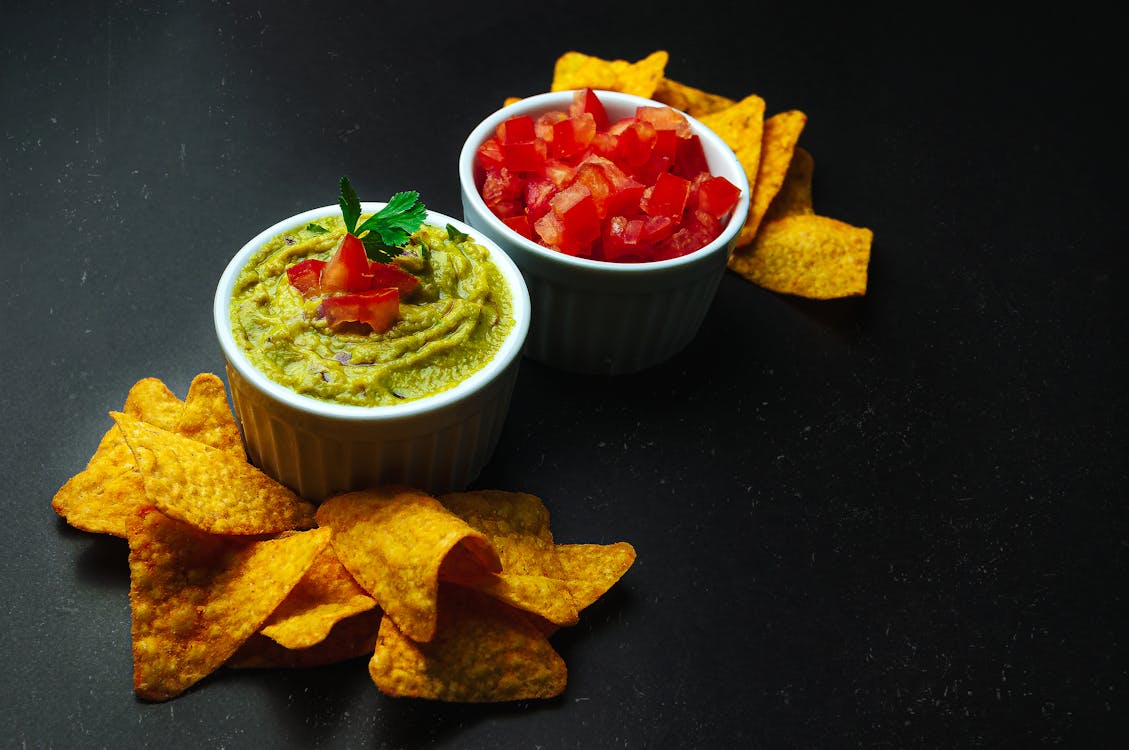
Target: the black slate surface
(884, 522)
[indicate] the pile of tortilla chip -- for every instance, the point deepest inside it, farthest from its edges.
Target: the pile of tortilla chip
(451, 598)
(784, 245)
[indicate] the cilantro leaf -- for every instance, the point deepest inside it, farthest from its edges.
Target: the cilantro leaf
(455, 235)
(350, 205)
(385, 231)
(316, 228)
(398, 219)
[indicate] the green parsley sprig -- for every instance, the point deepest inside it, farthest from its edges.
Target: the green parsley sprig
(388, 229)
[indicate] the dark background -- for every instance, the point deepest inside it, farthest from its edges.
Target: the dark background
(884, 522)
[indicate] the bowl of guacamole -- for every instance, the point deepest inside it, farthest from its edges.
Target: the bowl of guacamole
(329, 405)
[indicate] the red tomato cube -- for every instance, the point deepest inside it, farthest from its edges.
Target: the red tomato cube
(667, 197)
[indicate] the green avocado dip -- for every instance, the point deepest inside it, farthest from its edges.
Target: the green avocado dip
(447, 328)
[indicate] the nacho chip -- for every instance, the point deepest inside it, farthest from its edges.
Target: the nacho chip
(350, 638)
(105, 496)
(393, 540)
(151, 400)
(575, 70)
(742, 128)
(326, 595)
(591, 569)
(482, 652)
(690, 100)
(794, 196)
(808, 255)
(207, 417)
(517, 526)
(781, 132)
(208, 488)
(195, 597)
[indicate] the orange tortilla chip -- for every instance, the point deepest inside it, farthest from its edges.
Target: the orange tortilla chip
(781, 132)
(482, 652)
(809, 256)
(207, 417)
(195, 597)
(575, 70)
(105, 496)
(794, 196)
(151, 400)
(350, 638)
(209, 488)
(742, 128)
(326, 595)
(517, 526)
(393, 540)
(591, 569)
(690, 100)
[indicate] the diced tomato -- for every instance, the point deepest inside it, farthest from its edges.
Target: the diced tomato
(490, 154)
(691, 158)
(519, 129)
(347, 270)
(577, 211)
(538, 191)
(543, 125)
(622, 237)
(502, 191)
(667, 197)
(522, 150)
(604, 144)
(560, 172)
(519, 224)
(383, 275)
(716, 196)
(593, 177)
(586, 101)
(635, 144)
(665, 118)
(377, 308)
(305, 276)
(572, 135)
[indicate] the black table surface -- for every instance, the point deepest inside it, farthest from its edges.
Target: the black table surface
(890, 521)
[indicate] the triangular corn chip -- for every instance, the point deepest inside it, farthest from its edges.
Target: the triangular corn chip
(196, 597)
(209, 488)
(393, 540)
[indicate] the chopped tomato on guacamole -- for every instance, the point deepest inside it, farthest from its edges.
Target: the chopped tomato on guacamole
(638, 189)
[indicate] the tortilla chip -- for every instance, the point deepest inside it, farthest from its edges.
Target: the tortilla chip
(105, 496)
(591, 569)
(511, 100)
(151, 400)
(209, 488)
(326, 595)
(350, 638)
(781, 132)
(808, 255)
(207, 417)
(195, 597)
(575, 70)
(742, 128)
(517, 526)
(482, 651)
(393, 540)
(690, 100)
(794, 196)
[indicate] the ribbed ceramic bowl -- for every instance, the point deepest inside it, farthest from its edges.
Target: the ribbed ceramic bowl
(438, 443)
(600, 317)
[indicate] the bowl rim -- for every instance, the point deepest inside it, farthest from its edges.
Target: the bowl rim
(542, 102)
(509, 351)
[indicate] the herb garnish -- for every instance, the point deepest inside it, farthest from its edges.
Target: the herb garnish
(385, 231)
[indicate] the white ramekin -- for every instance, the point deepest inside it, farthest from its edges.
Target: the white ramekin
(438, 443)
(600, 317)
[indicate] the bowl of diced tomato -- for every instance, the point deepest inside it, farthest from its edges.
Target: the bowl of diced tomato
(620, 212)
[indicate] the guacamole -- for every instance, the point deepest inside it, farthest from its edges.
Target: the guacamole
(448, 327)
